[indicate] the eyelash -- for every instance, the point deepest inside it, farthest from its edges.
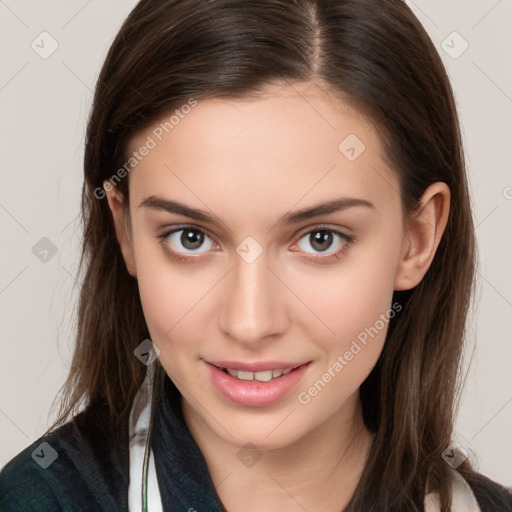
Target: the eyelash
(348, 240)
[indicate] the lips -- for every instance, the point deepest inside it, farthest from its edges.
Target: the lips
(255, 384)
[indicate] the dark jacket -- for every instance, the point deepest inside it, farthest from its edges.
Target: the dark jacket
(91, 471)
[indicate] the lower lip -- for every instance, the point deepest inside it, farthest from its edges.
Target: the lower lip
(255, 393)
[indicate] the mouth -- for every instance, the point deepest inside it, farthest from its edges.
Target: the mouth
(255, 384)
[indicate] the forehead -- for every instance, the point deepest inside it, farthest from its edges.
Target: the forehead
(293, 145)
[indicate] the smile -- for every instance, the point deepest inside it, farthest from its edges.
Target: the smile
(255, 385)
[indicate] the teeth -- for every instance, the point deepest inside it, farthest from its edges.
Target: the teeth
(264, 376)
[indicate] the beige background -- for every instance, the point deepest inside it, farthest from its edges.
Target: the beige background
(44, 105)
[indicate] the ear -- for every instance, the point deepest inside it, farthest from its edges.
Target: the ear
(122, 226)
(423, 234)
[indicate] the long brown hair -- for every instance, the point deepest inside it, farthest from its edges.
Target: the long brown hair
(374, 54)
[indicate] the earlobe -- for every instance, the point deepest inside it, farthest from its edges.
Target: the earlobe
(122, 227)
(423, 234)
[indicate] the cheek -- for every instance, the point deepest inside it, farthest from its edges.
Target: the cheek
(169, 304)
(355, 302)
(360, 323)
(169, 298)
(350, 297)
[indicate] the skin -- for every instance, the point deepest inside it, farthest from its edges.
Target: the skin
(249, 162)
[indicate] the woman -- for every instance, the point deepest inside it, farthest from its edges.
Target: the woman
(279, 256)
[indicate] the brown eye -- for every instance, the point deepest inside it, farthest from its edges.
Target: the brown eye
(327, 241)
(189, 241)
(321, 240)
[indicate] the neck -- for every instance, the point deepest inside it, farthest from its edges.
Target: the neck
(319, 471)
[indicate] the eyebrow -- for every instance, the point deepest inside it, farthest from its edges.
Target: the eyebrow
(336, 205)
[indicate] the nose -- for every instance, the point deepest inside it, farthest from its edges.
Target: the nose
(254, 305)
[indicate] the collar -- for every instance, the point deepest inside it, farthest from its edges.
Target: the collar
(143, 490)
(167, 469)
(463, 499)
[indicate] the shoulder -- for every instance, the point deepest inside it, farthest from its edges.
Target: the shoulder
(80, 465)
(491, 496)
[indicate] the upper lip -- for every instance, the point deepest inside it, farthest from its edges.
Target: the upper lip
(258, 366)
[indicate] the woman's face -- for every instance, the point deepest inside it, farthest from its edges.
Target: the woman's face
(267, 236)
